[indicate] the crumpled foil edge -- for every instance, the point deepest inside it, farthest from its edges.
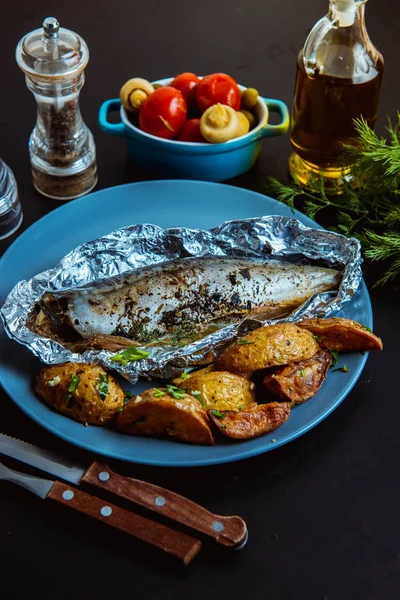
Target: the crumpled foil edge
(136, 246)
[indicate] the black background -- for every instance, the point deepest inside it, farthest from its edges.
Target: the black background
(323, 511)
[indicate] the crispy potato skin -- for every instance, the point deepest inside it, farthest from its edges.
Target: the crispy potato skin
(299, 382)
(270, 346)
(85, 404)
(342, 335)
(221, 390)
(251, 423)
(181, 420)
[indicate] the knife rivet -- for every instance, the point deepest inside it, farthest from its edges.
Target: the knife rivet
(104, 476)
(68, 495)
(160, 501)
(106, 511)
(218, 526)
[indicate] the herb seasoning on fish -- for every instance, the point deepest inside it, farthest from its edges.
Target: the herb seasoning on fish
(178, 300)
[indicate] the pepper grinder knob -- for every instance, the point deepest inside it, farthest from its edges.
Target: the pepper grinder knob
(50, 27)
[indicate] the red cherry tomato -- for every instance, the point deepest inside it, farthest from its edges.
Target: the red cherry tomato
(186, 83)
(190, 132)
(215, 88)
(163, 113)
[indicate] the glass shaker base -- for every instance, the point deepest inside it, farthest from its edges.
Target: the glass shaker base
(67, 187)
(10, 206)
(304, 173)
(7, 229)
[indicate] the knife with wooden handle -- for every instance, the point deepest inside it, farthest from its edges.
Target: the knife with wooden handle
(173, 542)
(228, 531)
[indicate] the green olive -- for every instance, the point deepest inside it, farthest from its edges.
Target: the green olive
(250, 117)
(249, 99)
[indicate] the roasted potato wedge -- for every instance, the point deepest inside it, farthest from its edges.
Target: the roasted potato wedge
(299, 382)
(220, 389)
(342, 335)
(84, 392)
(158, 413)
(251, 423)
(270, 346)
(184, 376)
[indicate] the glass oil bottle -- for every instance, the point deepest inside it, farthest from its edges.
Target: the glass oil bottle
(339, 74)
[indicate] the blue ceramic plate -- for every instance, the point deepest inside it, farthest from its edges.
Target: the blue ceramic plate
(164, 203)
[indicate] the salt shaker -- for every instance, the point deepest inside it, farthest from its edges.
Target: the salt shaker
(61, 147)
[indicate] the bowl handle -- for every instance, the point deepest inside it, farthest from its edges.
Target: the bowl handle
(281, 108)
(110, 128)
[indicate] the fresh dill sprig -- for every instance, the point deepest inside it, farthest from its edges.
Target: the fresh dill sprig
(384, 247)
(366, 202)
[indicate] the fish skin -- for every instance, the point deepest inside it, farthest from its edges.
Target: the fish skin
(161, 298)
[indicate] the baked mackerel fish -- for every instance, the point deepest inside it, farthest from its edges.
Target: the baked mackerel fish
(179, 301)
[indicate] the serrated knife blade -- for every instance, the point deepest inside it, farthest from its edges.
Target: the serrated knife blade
(41, 459)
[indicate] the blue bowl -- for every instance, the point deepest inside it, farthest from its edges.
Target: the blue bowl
(188, 160)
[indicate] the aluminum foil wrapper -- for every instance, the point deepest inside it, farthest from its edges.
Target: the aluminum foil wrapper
(142, 245)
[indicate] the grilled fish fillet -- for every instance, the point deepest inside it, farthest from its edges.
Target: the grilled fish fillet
(186, 295)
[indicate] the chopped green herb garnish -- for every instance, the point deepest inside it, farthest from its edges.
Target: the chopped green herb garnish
(127, 396)
(367, 328)
(343, 369)
(218, 414)
(75, 381)
(244, 342)
(222, 426)
(240, 407)
(139, 420)
(197, 395)
(130, 355)
(317, 338)
(335, 357)
(183, 376)
(176, 392)
(102, 385)
(302, 372)
(158, 393)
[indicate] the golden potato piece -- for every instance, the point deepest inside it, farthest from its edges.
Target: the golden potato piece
(251, 423)
(183, 377)
(270, 346)
(220, 389)
(158, 413)
(342, 335)
(84, 392)
(298, 382)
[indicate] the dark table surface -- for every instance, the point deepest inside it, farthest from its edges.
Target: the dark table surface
(323, 511)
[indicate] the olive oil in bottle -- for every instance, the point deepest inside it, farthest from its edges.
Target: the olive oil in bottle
(339, 74)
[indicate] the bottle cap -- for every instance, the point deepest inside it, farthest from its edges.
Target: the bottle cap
(52, 52)
(346, 11)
